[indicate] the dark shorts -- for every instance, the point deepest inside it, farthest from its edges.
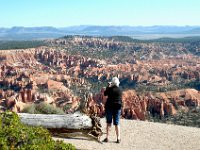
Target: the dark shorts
(113, 115)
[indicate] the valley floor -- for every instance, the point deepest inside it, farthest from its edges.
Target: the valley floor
(143, 135)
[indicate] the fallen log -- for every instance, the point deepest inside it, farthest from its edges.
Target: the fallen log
(66, 125)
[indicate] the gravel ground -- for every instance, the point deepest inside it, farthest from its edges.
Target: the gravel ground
(143, 135)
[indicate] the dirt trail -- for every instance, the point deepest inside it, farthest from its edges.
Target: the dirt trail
(140, 135)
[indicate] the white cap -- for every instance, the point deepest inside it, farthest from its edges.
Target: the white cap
(115, 81)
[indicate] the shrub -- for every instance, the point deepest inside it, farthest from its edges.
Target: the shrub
(16, 136)
(42, 108)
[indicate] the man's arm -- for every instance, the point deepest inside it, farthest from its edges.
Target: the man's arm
(107, 89)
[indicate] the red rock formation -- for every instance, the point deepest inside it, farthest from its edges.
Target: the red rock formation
(28, 73)
(138, 107)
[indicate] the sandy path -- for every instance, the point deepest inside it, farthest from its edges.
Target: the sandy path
(139, 135)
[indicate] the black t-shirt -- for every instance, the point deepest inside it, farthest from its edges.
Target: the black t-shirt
(114, 100)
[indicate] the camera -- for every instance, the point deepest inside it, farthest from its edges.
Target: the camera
(109, 83)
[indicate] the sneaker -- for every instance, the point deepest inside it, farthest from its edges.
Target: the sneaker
(105, 140)
(118, 141)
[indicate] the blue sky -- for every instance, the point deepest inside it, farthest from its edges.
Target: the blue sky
(62, 13)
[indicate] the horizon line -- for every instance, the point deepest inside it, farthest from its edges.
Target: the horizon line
(105, 26)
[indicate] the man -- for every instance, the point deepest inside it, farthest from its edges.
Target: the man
(113, 107)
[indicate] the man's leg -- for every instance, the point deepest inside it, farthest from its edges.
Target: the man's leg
(117, 130)
(109, 122)
(108, 130)
(116, 119)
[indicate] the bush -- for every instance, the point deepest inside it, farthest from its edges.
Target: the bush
(42, 108)
(16, 136)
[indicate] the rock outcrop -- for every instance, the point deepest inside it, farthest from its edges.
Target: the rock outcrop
(59, 74)
(139, 107)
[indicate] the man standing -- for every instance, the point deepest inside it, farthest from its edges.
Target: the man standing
(113, 107)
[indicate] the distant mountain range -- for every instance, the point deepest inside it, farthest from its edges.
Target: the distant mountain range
(29, 33)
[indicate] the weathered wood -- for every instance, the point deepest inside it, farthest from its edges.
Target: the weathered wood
(66, 125)
(68, 121)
